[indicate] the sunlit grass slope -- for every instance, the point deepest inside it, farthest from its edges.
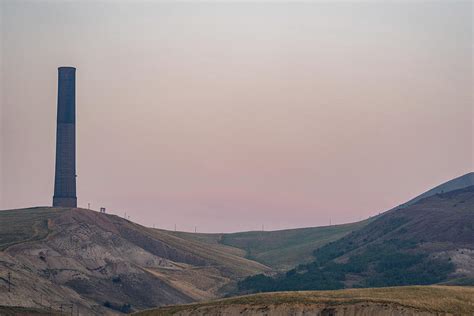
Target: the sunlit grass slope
(433, 299)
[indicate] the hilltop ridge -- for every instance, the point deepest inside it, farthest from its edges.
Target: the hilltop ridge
(457, 183)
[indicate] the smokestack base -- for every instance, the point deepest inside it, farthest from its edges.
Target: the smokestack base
(64, 202)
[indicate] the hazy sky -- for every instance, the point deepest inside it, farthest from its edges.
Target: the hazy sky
(233, 115)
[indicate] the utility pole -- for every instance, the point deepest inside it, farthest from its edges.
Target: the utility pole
(9, 282)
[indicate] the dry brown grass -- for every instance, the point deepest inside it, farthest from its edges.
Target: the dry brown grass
(437, 299)
(200, 283)
(24, 225)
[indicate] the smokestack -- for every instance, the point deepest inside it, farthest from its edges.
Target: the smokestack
(65, 176)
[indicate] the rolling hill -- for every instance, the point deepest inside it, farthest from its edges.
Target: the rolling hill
(105, 264)
(428, 242)
(413, 300)
(280, 249)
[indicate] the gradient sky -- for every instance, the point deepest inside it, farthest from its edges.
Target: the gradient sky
(233, 115)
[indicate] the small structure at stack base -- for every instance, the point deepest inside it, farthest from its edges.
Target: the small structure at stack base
(65, 171)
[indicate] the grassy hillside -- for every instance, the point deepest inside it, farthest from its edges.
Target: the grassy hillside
(429, 242)
(431, 299)
(458, 183)
(24, 311)
(23, 225)
(281, 249)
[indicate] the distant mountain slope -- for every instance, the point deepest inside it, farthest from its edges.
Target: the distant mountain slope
(431, 241)
(280, 249)
(105, 264)
(461, 182)
(413, 300)
(285, 249)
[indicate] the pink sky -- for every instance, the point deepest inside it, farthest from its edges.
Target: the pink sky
(233, 115)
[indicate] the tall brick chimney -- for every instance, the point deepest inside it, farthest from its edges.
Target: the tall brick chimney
(65, 177)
